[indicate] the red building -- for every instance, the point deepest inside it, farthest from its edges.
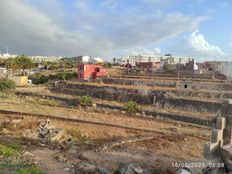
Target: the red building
(87, 72)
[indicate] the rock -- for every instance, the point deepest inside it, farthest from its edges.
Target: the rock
(28, 155)
(60, 158)
(5, 131)
(129, 169)
(28, 133)
(66, 169)
(102, 170)
(16, 121)
(143, 113)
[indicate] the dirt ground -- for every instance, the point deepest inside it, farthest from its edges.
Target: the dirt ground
(90, 128)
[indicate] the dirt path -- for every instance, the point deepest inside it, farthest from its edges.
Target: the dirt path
(47, 163)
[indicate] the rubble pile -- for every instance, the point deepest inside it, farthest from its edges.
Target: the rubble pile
(47, 132)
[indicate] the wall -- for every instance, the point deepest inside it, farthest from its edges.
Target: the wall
(162, 98)
(19, 80)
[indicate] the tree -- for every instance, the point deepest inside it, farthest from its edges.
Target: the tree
(11, 64)
(24, 63)
(6, 84)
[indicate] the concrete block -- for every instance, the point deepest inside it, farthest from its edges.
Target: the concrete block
(210, 149)
(221, 123)
(217, 136)
(226, 152)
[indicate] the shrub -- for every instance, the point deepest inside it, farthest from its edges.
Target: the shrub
(43, 79)
(86, 101)
(131, 107)
(6, 84)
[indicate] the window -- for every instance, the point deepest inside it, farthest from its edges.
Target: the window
(97, 69)
(185, 86)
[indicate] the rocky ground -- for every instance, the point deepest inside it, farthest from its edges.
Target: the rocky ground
(70, 147)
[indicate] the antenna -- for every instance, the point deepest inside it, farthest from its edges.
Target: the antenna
(7, 50)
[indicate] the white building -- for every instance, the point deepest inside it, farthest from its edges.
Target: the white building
(132, 59)
(226, 69)
(88, 59)
(38, 58)
(7, 56)
(45, 58)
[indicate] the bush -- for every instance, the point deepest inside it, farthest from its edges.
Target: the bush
(6, 84)
(86, 101)
(131, 107)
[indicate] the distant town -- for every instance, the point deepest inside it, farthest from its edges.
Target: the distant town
(136, 63)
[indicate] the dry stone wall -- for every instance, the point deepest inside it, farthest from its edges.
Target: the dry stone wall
(155, 97)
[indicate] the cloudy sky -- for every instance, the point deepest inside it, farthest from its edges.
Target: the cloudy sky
(112, 28)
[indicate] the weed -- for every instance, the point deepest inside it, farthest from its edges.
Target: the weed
(7, 151)
(131, 107)
(86, 101)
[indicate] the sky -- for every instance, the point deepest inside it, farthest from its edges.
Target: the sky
(116, 28)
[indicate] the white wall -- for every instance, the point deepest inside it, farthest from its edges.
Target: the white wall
(226, 69)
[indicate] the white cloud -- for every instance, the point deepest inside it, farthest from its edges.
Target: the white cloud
(202, 47)
(141, 50)
(32, 30)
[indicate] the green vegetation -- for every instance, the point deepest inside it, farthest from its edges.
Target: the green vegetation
(11, 64)
(131, 107)
(41, 79)
(7, 151)
(86, 101)
(64, 63)
(30, 170)
(6, 85)
(108, 65)
(24, 63)
(12, 161)
(19, 63)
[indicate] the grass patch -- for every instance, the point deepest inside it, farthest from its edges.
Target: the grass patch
(30, 170)
(7, 151)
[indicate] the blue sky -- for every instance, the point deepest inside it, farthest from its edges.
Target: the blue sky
(115, 28)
